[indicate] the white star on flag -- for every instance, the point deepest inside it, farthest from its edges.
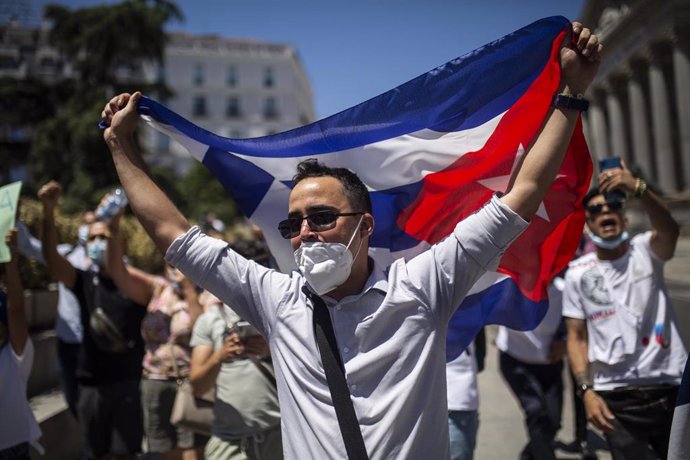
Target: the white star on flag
(500, 183)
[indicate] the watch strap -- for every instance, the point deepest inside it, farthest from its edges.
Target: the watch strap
(582, 389)
(568, 101)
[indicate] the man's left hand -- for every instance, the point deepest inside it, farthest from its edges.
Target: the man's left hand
(618, 179)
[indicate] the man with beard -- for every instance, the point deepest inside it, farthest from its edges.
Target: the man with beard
(623, 343)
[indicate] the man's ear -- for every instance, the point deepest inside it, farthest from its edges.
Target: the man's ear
(367, 225)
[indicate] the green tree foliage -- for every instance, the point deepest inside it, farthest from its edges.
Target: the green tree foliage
(68, 146)
(204, 194)
(99, 39)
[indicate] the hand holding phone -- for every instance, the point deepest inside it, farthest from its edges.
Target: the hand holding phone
(246, 330)
(605, 165)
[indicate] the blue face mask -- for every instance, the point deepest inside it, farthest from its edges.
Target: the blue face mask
(95, 251)
(609, 244)
(83, 234)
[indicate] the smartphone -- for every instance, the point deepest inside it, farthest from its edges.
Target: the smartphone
(246, 330)
(612, 163)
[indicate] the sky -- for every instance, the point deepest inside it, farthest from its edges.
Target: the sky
(353, 50)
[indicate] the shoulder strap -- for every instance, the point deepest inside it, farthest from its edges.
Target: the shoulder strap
(335, 376)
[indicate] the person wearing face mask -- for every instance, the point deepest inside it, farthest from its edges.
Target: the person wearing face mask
(386, 351)
(623, 343)
(68, 327)
(109, 362)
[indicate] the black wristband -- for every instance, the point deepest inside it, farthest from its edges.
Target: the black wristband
(567, 101)
(582, 389)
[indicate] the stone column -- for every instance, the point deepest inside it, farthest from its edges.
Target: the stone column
(598, 145)
(681, 69)
(617, 131)
(639, 120)
(661, 121)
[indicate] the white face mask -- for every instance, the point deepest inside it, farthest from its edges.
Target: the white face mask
(609, 244)
(326, 265)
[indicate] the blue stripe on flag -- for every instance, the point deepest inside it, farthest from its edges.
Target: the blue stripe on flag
(461, 94)
(503, 304)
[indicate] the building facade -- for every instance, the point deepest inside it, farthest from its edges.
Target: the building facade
(231, 87)
(640, 100)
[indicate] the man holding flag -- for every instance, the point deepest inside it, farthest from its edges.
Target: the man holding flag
(385, 330)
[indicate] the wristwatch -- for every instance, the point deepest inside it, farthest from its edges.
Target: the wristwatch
(582, 389)
(568, 101)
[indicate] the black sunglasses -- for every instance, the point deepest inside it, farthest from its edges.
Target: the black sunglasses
(318, 222)
(612, 205)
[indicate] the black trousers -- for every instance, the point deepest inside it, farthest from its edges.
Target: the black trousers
(643, 419)
(539, 388)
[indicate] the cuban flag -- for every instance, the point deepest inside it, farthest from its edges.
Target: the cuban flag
(431, 152)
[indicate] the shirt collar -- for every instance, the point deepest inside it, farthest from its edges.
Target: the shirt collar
(377, 280)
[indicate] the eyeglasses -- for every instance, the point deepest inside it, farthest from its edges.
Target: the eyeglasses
(318, 222)
(97, 237)
(612, 205)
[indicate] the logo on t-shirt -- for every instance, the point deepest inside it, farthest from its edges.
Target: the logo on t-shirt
(592, 286)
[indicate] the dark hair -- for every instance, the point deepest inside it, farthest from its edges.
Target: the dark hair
(354, 188)
(252, 250)
(591, 194)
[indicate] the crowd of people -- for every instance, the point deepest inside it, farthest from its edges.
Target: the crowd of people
(353, 351)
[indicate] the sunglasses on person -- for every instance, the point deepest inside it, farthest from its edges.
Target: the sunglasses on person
(595, 209)
(318, 222)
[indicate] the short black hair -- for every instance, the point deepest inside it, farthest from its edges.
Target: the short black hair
(354, 188)
(591, 194)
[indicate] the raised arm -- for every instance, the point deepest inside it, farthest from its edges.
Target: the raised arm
(665, 229)
(16, 317)
(135, 284)
(579, 61)
(159, 216)
(59, 267)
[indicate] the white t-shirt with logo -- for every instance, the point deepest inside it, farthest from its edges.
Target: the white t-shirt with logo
(533, 346)
(461, 380)
(631, 326)
(17, 421)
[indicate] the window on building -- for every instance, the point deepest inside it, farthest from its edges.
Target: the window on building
(199, 107)
(48, 65)
(231, 78)
(268, 77)
(8, 63)
(198, 75)
(232, 108)
(270, 110)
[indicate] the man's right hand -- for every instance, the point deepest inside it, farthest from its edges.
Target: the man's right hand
(598, 413)
(120, 115)
(49, 194)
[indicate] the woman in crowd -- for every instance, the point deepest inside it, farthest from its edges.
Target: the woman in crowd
(172, 309)
(18, 427)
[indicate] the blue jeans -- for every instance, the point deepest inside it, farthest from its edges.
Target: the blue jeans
(462, 429)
